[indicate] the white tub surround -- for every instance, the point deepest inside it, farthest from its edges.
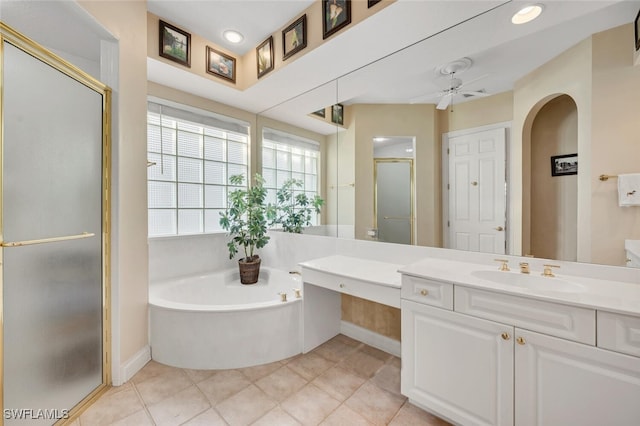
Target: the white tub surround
(214, 322)
(527, 349)
(327, 277)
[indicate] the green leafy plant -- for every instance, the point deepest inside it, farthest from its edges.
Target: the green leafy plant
(293, 210)
(246, 219)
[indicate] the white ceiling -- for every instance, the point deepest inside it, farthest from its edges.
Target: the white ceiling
(359, 65)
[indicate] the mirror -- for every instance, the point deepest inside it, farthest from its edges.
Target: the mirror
(603, 138)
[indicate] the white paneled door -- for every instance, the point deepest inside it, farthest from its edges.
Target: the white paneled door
(477, 194)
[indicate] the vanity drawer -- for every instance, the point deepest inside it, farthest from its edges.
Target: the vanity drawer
(428, 292)
(568, 322)
(380, 293)
(620, 333)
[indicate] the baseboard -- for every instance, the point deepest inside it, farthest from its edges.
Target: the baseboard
(134, 364)
(371, 338)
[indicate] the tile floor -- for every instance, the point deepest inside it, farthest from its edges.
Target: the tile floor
(342, 382)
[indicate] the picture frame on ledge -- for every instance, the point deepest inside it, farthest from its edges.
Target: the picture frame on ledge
(337, 114)
(294, 37)
(174, 44)
(636, 25)
(319, 113)
(336, 14)
(371, 3)
(265, 57)
(221, 65)
(563, 165)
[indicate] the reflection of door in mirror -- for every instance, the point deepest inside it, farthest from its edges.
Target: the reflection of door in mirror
(393, 189)
(477, 197)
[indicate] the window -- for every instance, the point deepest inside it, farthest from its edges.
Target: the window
(195, 152)
(286, 156)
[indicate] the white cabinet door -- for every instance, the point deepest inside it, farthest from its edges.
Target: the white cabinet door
(566, 383)
(457, 366)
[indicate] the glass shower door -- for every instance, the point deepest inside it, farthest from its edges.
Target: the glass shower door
(394, 200)
(52, 266)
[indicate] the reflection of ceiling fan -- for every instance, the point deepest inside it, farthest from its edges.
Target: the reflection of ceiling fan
(455, 85)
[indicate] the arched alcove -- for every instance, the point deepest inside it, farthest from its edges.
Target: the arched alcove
(551, 202)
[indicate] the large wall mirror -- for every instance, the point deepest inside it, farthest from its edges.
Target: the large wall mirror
(527, 94)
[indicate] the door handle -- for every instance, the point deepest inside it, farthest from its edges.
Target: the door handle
(47, 240)
(499, 228)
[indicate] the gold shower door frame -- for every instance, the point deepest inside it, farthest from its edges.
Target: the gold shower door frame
(9, 35)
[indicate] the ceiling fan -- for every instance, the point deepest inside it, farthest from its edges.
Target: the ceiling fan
(455, 85)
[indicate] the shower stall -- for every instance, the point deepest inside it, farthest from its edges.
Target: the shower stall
(54, 234)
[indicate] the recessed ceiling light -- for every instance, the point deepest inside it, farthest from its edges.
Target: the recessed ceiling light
(233, 36)
(527, 14)
(379, 139)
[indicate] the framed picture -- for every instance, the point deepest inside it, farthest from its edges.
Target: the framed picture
(637, 27)
(562, 165)
(221, 65)
(174, 44)
(319, 113)
(294, 37)
(337, 114)
(264, 56)
(336, 14)
(372, 3)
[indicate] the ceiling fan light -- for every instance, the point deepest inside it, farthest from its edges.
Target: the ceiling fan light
(526, 14)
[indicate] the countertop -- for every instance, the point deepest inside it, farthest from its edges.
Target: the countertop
(612, 296)
(375, 272)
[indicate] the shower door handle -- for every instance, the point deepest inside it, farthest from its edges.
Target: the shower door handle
(47, 240)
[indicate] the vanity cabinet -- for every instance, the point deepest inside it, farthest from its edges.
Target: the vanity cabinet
(499, 359)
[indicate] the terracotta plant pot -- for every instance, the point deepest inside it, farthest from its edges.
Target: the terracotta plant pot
(249, 269)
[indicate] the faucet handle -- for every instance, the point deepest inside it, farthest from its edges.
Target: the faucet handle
(547, 270)
(524, 267)
(504, 266)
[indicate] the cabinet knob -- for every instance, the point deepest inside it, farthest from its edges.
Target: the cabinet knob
(521, 340)
(424, 292)
(342, 285)
(505, 336)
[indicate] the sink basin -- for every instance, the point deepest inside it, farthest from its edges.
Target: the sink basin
(533, 282)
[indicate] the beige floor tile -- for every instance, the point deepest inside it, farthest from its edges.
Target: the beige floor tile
(335, 350)
(376, 405)
(196, 376)
(281, 383)
(157, 388)
(395, 361)
(152, 369)
(111, 408)
(223, 385)
(139, 418)
(345, 416)
(180, 407)
(76, 422)
(276, 417)
(259, 371)
(388, 378)
(208, 418)
(310, 405)
(246, 406)
(376, 353)
(339, 383)
(347, 340)
(310, 365)
(116, 389)
(362, 363)
(410, 415)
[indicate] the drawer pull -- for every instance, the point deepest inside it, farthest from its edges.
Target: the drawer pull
(424, 292)
(521, 340)
(342, 285)
(505, 336)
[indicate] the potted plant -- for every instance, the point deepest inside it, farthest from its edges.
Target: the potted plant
(246, 223)
(293, 211)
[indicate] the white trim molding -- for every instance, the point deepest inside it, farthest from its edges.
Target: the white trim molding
(371, 338)
(133, 365)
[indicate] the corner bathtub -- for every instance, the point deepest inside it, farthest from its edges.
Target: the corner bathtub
(215, 322)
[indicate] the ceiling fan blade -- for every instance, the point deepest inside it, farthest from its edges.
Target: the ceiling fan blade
(444, 102)
(475, 93)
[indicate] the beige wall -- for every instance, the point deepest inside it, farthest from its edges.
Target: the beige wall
(554, 200)
(127, 22)
(615, 142)
(418, 121)
(479, 112)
